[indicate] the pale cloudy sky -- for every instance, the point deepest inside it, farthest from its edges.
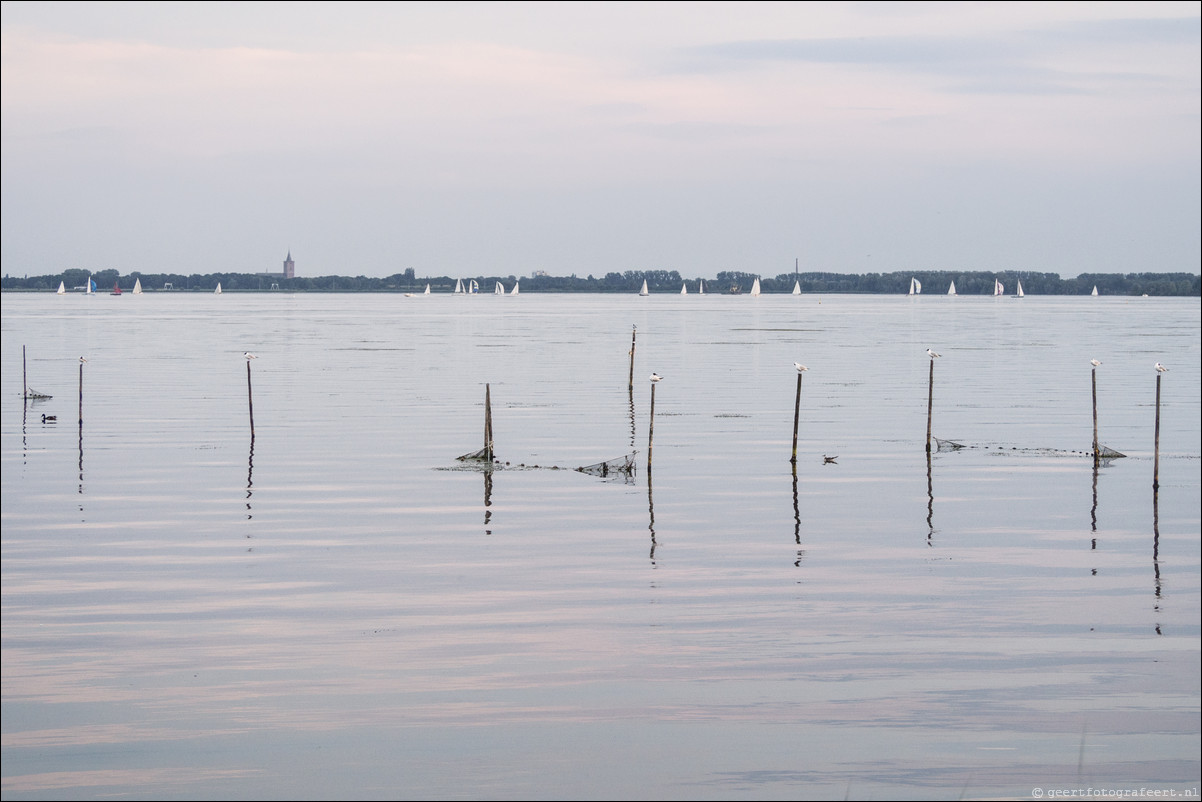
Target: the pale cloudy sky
(502, 138)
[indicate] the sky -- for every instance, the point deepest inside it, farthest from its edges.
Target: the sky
(584, 138)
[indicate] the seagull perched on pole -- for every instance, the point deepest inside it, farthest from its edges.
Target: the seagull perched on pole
(1095, 362)
(82, 360)
(249, 355)
(800, 367)
(1161, 368)
(932, 354)
(655, 377)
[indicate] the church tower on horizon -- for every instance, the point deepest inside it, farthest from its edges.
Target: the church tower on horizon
(289, 266)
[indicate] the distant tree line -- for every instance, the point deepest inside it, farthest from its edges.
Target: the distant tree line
(630, 281)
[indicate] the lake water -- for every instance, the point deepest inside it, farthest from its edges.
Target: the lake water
(337, 608)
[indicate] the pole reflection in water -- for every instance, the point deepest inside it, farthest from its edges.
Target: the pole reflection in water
(930, 503)
(797, 521)
(1093, 511)
(487, 500)
(250, 471)
(1156, 551)
(651, 516)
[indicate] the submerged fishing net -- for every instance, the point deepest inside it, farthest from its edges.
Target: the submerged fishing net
(1106, 452)
(483, 455)
(622, 466)
(947, 445)
(32, 393)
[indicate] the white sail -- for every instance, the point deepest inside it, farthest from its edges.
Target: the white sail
(473, 286)
(643, 291)
(62, 288)
(755, 286)
(427, 292)
(218, 290)
(701, 286)
(998, 289)
(1019, 293)
(514, 291)
(1095, 290)
(952, 289)
(459, 286)
(92, 284)
(796, 287)
(684, 289)
(499, 290)
(137, 286)
(915, 287)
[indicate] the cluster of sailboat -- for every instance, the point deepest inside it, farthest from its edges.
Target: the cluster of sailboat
(473, 288)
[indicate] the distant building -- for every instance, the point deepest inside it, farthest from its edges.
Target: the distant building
(289, 270)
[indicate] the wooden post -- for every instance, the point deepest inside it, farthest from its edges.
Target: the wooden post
(633, 331)
(796, 416)
(651, 431)
(250, 401)
(81, 361)
(1094, 379)
(24, 379)
(487, 424)
(930, 402)
(1156, 452)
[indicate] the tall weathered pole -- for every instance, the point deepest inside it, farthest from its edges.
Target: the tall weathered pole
(633, 332)
(1156, 451)
(487, 424)
(250, 399)
(797, 409)
(655, 379)
(930, 396)
(81, 361)
(1094, 380)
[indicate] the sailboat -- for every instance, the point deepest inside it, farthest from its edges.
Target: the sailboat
(1019, 292)
(498, 290)
(701, 286)
(684, 289)
(755, 286)
(643, 291)
(998, 289)
(116, 289)
(459, 286)
(62, 288)
(915, 287)
(1095, 290)
(514, 291)
(427, 292)
(796, 287)
(137, 286)
(218, 290)
(952, 289)
(473, 286)
(91, 288)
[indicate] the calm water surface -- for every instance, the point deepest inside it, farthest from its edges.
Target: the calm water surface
(338, 608)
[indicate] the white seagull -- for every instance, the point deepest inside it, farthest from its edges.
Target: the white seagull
(932, 354)
(1161, 368)
(655, 377)
(800, 367)
(82, 360)
(1095, 362)
(249, 355)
